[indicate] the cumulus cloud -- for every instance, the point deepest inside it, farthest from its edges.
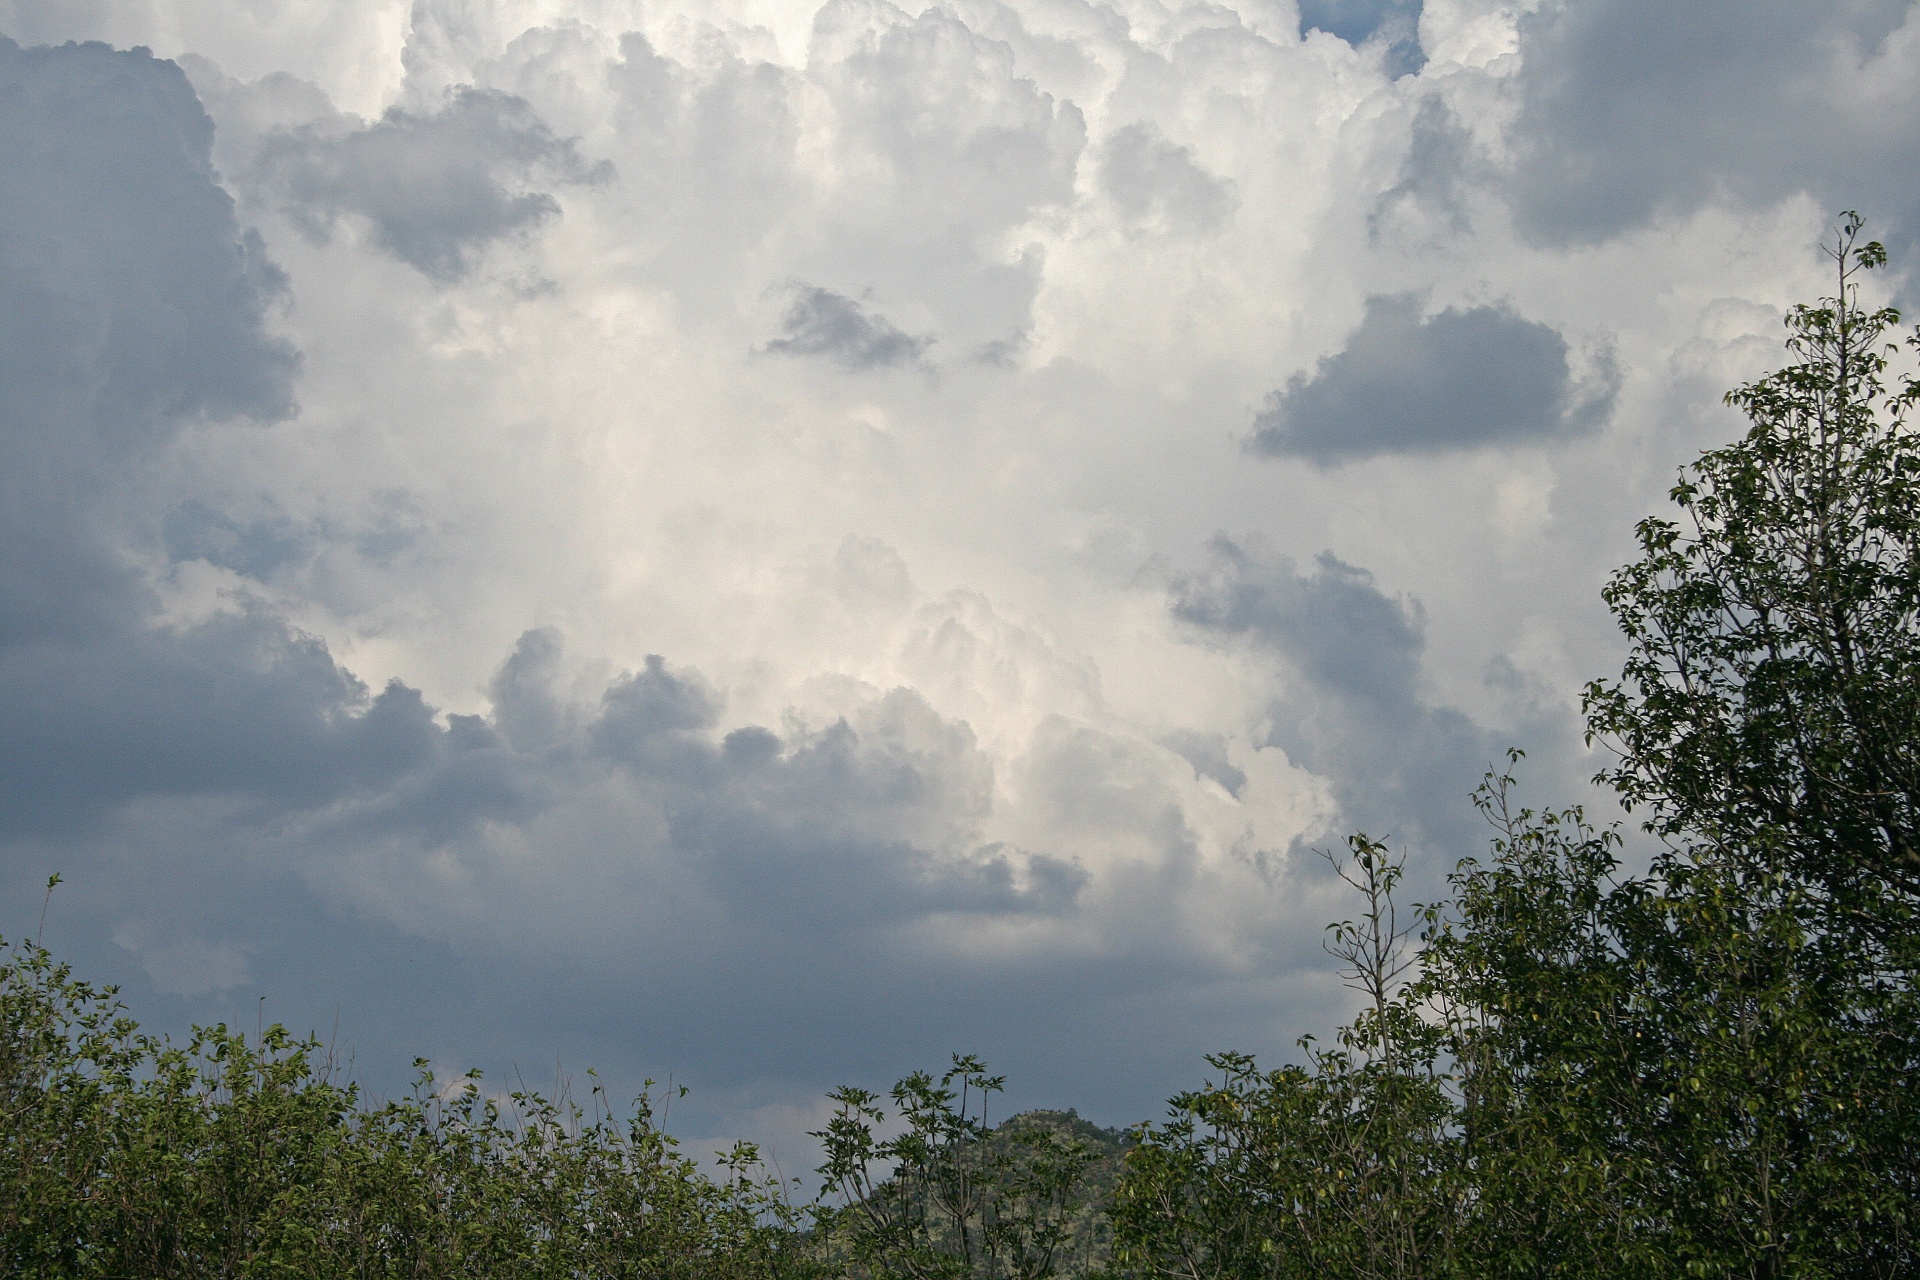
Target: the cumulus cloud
(1433, 183)
(704, 880)
(870, 821)
(1411, 383)
(434, 189)
(218, 775)
(255, 548)
(1627, 114)
(108, 162)
(134, 306)
(1157, 185)
(1359, 709)
(132, 301)
(1209, 755)
(820, 322)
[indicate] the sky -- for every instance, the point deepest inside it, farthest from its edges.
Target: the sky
(762, 543)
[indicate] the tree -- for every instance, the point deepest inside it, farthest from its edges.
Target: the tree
(1768, 703)
(1664, 1074)
(1765, 724)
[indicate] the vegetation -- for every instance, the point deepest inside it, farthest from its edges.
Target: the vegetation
(121, 1156)
(954, 1198)
(1565, 1069)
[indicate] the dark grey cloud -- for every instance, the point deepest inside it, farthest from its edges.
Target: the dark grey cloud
(1633, 109)
(864, 829)
(1343, 633)
(1408, 383)
(241, 708)
(842, 827)
(1159, 186)
(1358, 713)
(734, 903)
(130, 301)
(107, 160)
(434, 189)
(1394, 23)
(831, 326)
(848, 826)
(256, 539)
(130, 304)
(254, 548)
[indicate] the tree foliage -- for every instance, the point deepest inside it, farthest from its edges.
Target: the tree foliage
(123, 1156)
(1768, 703)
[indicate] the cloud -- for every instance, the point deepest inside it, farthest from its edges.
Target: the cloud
(130, 301)
(1358, 710)
(1155, 184)
(1629, 111)
(945, 153)
(871, 820)
(1433, 181)
(436, 188)
(820, 322)
(1408, 383)
(254, 548)
(1208, 753)
(136, 299)
(941, 118)
(1393, 24)
(242, 800)
(239, 707)
(134, 307)
(709, 881)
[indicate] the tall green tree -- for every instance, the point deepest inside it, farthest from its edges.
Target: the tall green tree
(1767, 726)
(1772, 686)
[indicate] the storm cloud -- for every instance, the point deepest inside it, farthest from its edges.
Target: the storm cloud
(133, 306)
(213, 770)
(1631, 110)
(130, 300)
(1411, 383)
